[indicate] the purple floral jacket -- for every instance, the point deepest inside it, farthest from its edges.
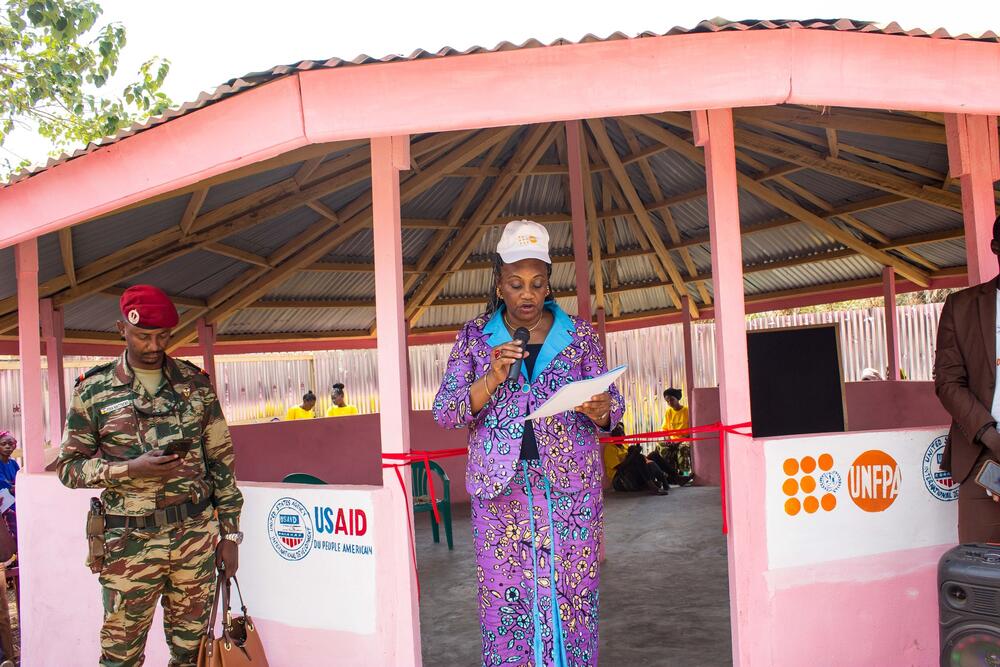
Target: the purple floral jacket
(567, 442)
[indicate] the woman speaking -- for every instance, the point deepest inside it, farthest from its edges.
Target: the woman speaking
(537, 510)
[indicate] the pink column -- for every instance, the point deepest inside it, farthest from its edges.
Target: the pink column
(206, 339)
(974, 158)
(30, 350)
(52, 332)
(579, 216)
(891, 324)
(744, 464)
(390, 155)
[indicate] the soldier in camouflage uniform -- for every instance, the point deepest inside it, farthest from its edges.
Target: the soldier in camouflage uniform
(161, 538)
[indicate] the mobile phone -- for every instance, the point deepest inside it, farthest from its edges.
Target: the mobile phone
(178, 447)
(989, 477)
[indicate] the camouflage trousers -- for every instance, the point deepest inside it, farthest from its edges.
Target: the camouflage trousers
(174, 563)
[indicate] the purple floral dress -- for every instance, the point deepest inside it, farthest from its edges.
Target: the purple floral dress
(536, 524)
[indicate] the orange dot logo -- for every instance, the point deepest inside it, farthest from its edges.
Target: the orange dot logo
(873, 481)
(791, 467)
(801, 488)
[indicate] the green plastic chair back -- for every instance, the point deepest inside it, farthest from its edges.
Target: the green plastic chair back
(302, 478)
(422, 498)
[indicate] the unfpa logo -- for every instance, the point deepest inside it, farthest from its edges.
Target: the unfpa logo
(873, 481)
(800, 484)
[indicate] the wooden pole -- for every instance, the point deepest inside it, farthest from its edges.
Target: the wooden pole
(52, 332)
(891, 325)
(390, 155)
(206, 339)
(579, 214)
(30, 350)
(688, 362)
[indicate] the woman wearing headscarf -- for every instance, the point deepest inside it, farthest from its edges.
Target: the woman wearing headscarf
(537, 510)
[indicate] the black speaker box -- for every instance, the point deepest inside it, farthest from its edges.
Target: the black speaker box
(969, 606)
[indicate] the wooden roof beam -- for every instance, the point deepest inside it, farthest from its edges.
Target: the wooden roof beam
(503, 189)
(603, 141)
(793, 209)
(354, 216)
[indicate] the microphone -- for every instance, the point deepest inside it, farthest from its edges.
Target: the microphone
(522, 336)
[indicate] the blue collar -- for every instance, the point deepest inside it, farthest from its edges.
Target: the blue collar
(557, 340)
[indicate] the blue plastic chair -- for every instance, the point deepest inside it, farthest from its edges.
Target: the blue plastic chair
(422, 499)
(302, 478)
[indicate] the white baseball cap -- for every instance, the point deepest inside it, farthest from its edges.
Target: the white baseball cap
(524, 239)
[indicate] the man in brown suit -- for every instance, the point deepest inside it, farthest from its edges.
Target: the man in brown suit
(965, 370)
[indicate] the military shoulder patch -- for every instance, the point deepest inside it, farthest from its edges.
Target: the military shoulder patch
(198, 374)
(100, 368)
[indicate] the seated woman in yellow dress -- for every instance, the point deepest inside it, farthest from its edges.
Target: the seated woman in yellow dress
(340, 408)
(304, 411)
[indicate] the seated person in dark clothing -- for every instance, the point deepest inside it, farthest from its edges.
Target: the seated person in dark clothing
(636, 473)
(668, 463)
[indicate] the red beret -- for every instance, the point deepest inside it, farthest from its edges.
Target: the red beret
(147, 307)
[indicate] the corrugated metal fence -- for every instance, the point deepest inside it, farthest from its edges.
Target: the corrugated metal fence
(263, 386)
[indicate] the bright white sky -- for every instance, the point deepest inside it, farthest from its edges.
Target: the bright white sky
(211, 41)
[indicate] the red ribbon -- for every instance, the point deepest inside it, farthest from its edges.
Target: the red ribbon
(402, 459)
(405, 459)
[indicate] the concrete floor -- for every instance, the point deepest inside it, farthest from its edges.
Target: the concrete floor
(664, 585)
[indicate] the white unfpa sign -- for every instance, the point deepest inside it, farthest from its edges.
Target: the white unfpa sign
(309, 556)
(841, 496)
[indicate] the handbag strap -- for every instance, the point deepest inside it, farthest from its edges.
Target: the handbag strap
(239, 592)
(215, 614)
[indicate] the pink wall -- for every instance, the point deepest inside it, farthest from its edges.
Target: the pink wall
(58, 591)
(705, 456)
(871, 610)
(342, 450)
(870, 406)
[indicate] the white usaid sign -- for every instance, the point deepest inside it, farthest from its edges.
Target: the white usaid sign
(308, 556)
(855, 494)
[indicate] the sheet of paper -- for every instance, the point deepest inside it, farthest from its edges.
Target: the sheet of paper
(6, 500)
(576, 393)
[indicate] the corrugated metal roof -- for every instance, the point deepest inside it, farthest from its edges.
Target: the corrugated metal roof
(821, 273)
(201, 274)
(910, 217)
(945, 253)
(233, 190)
(329, 286)
(240, 84)
(99, 238)
(292, 320)
(197, 274)
(266, 237)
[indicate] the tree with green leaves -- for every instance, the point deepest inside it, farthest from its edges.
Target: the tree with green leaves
(56, 63)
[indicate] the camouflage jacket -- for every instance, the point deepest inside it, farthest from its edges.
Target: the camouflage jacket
(113, 419)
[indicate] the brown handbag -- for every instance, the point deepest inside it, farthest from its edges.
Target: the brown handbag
(239, 645)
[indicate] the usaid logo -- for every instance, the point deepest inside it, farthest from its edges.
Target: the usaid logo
(938, 481)
(289, 528)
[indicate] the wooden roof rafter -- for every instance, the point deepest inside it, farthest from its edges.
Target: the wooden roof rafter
(354, 216)
(536, 141)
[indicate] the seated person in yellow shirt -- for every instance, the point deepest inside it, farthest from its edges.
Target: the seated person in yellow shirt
(340, 408)
(304, 411)
(675, 456)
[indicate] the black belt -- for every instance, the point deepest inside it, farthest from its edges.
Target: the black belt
(161, 517)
